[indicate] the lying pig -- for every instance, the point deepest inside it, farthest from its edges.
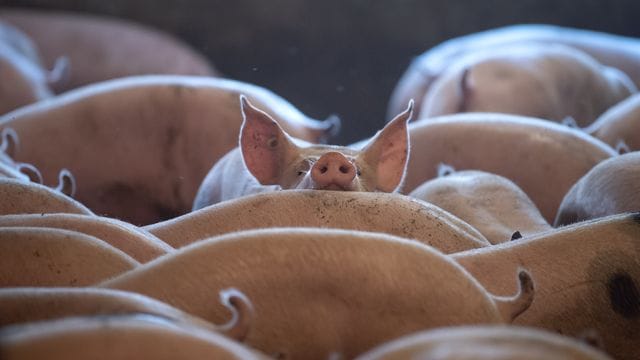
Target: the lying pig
(609, 49)
(620, 125)
(268, 159)
(546, 81)
(611, 187)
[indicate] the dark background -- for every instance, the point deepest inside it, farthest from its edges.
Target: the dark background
(340, 56)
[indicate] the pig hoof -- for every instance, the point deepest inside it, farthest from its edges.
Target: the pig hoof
(516, 235)
(511, 307)
(241, 314)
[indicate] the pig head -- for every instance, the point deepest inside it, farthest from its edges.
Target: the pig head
(269, 159)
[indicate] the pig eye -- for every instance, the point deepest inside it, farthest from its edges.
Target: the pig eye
(358, 172)
(300, 173)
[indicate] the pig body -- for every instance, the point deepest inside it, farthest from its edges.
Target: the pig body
(611, 187)
(620, 125)
(492, 204)
(587, 278)
(318, 289)
(130, 336)
(23, 81)
(612, 50)
(392, 214)
(541, 80)
(30, 304)
(133, 241)
(19, 197)
(530, 152)
(269, 159)
(55, 257)
(485, 343)
(139, 147)
(88, 42)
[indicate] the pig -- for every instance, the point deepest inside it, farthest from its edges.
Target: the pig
(140, 245)
(321, 291)
(616, 51)
(28, 304)
(542, 80)
(19, 197)
(620, 125)
(392, 214)
(485, 342)
(491, 203)
(268, 159)
(55, 257)
(129, 336)
(87, 41)
(532, 153)
(143, 160)
(611, 187)
(587, 277)
(22, 82)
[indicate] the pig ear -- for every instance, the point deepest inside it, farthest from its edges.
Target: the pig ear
(265, 147)
(388, 151)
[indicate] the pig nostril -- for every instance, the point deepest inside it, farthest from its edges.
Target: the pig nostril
(323, 169)
(343, 169)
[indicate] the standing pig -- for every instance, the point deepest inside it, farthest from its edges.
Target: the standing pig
(485, 342)
(491, 203)
(318, 292)
(139, 147)
(541, 80)
(269, 159)
(543, 158)
(611, 187)
(612, 50)
(587, 278)
(620, 125)
(88, 42)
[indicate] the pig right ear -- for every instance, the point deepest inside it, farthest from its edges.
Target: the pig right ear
(266, 148)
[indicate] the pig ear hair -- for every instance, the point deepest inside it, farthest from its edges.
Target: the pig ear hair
(264, 145)
(388, 151)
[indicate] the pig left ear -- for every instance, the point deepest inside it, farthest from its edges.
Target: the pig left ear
(266, 148)
(388, 151)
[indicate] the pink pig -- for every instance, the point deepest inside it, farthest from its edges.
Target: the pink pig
(268, 159)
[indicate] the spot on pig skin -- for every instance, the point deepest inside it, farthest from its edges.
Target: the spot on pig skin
(624, 295)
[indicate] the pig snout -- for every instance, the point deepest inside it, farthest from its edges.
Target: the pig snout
(333, 171)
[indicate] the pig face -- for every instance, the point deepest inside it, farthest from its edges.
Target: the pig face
(274, 158)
